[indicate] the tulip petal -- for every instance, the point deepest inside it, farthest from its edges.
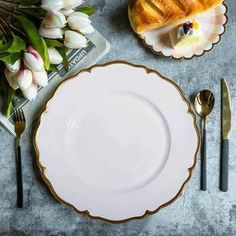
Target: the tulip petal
(31, 92)
(11, 78)
(80, 14)
(52, 4)
(24, 78)
(67, 12)
(54, 19)
(87, 30)
(54, 56)
(14, 67)
(78, 20)
(40, 78)
(74, 40)
(56, 33)
(71, 4)
(31, 62)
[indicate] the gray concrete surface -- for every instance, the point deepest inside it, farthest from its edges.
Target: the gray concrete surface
(194, 213)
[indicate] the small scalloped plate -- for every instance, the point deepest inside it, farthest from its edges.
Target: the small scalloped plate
(212, 25)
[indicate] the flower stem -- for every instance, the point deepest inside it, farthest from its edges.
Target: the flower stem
(17, 30)
(10, 8)
(30, 12)
(4, 26)
(9, 3)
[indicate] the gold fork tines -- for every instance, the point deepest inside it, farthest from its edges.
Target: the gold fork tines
(20, 123)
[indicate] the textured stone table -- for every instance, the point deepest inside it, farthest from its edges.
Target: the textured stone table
(195, 212)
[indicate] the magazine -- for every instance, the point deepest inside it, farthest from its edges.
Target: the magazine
(78, 60)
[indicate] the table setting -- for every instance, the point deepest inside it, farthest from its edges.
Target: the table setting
(117, 118)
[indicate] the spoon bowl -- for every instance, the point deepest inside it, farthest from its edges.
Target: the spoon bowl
(204, 103)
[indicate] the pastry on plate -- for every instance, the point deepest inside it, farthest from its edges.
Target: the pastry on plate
(151, 14)
(186, 34)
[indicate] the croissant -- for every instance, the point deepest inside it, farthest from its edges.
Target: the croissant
(151, 14)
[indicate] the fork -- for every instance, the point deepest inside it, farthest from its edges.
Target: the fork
(20, 124)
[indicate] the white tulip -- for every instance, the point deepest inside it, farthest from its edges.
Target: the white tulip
(31, 92)
(66, 12)
(24, 78)
(33, 60)
(54, 56)
(87, 30)
(52, 4)
(11, 78)
(74, 40)
(40, 78)
(56, 33)
(78, 20)
(54, 19)
(71, 4)
(13, 67)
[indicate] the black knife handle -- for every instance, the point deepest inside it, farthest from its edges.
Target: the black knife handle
(19, 178)
(224, 172)
(203, 185)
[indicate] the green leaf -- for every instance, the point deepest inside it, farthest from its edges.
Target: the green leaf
(46, 55)
(53, 68)
(54, 43)
(4, 46)
(62, 52)
(87, 10)
(10, 96)
(10, 57)
(17, 45)
(34, 37)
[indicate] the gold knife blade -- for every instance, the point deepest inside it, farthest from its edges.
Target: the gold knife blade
(226, 119)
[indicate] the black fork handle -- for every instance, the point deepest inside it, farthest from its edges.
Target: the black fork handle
(19, 178)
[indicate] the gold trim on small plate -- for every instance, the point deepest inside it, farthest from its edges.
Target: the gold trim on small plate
(42, 169)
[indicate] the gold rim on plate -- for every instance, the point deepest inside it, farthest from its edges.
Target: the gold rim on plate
(42, 169)
(159, 53)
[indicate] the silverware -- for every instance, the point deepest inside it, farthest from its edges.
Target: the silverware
(20, 125)
(225, 133)
(204, 104)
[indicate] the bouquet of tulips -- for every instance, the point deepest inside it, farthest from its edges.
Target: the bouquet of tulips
(34, 37)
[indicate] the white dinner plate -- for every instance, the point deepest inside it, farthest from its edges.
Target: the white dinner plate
(117, 142)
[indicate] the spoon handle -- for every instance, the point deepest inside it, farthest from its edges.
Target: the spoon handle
(203, 186)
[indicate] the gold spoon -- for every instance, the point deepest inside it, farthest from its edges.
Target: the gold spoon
(204, 104)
